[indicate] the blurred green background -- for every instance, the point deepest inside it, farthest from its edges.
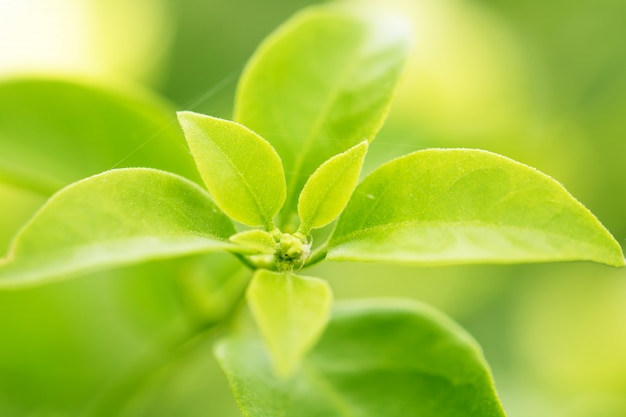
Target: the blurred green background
(543, 82)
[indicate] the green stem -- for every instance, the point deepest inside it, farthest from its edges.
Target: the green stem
(177, 342)
(113, 398)
(319, 254)
(246, 261)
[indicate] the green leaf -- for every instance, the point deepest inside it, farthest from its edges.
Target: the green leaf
(256, 240)
(328, 190)
(75, 327)
(464, 206)
(54, 132)
(115, 218)
(320, 84)
(291, 312)
(399, 359)
(241, 170)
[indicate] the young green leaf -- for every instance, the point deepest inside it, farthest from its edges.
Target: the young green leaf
(320, 84)
(457, 205)
(242, 171)
(291, 312)
(115, 218)
(394, 359)
(328, 190)
(255, 240)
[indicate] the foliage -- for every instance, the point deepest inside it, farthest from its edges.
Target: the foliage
(309, 102)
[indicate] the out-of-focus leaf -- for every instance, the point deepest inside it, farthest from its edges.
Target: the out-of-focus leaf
(54, 132)
(291, 312)
(374, 359)
(115, 218)
(191, 385)
(93, 334)
(56, 338)
(17, 206)
(241, 170)
(321, 84)
(456, 205)
(328, 190)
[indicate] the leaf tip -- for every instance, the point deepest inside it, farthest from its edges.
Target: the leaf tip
(184, 115)
(291, 313)
(620, 261)
(362, 147)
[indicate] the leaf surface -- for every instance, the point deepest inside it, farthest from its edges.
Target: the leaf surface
(328, 190)
(255, 240)
(54, 132)
(321, 84)
(392, 359)
(241, 170)
(465, 206)
(291, 312)
(115, 218)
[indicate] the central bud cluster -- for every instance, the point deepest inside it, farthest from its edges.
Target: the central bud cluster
(292, 250)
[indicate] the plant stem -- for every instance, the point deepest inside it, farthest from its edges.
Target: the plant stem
(179, 339)
(117, 394)
(246, 262)
(319, 254)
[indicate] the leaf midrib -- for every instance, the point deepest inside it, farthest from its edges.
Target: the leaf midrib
(330, 187)
(334, 92)
(264, 215)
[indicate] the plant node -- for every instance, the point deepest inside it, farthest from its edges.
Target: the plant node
(292, 251)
